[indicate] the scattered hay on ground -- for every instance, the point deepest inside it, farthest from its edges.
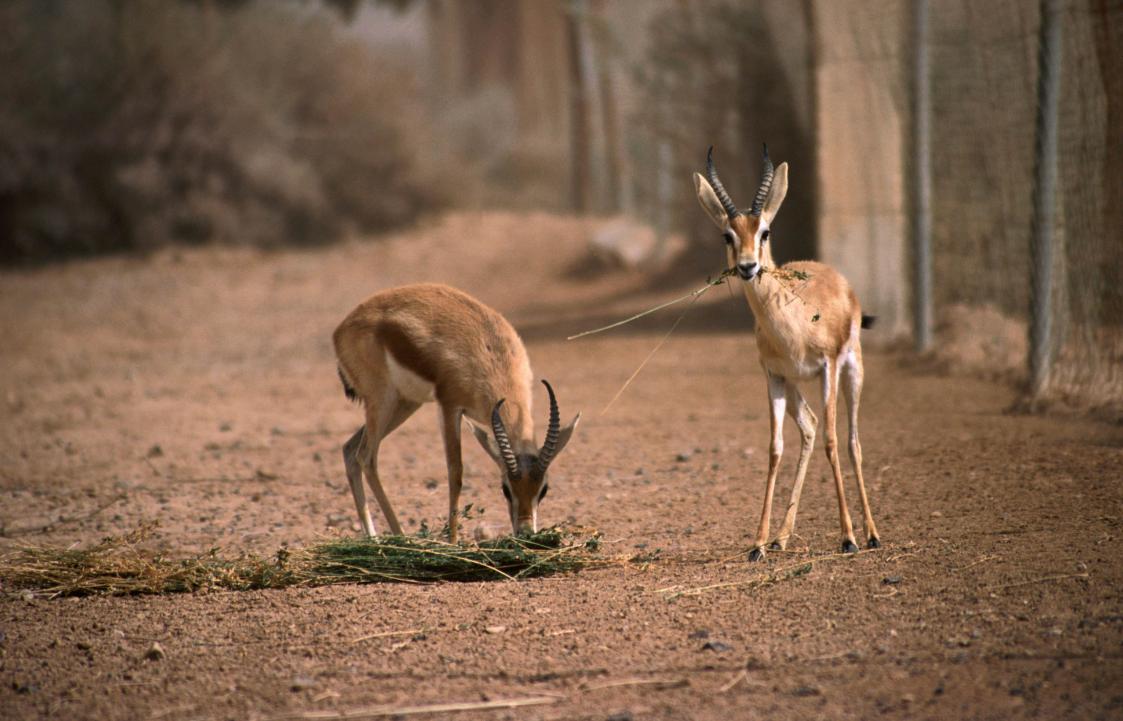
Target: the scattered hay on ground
(118, 566)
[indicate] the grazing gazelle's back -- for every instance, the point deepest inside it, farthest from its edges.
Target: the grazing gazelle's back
(808, 322)
(406, 346)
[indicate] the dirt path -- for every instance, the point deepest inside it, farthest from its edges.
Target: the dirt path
(198, 388)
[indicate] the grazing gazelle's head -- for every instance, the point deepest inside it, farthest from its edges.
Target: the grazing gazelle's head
(523, 475)
(746, 234)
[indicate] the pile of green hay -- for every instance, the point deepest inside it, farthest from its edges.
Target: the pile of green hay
(116, 566)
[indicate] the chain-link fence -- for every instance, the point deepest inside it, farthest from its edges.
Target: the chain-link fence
(835, 85)
(990, 152)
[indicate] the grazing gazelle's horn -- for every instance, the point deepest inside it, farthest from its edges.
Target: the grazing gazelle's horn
(765, 185)
(719, 189)
(504, 442)
(550, 444)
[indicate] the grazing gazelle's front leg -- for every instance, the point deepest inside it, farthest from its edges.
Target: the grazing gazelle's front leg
(804, 418)
(830, 410)
(450, 431)
(777, 400)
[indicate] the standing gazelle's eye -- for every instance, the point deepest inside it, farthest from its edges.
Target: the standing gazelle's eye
(764, 235)
(729, 237)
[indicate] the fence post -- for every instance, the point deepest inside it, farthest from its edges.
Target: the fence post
(1044, 197)
(921, 179)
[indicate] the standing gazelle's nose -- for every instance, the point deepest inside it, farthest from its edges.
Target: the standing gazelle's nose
(747, 269)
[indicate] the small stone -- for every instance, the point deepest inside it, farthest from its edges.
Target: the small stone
(277, 431)
(806, 691)
(908, 699)
(621, 716)
(225, 428)
(891, 580)
(699, 634)
(155, 652)
(936, 514)
(264, 475)
(716, 646)
(84, 645)
(683, 457)
(155, 451)
(495, 629)
(432, 483)
(302, 683)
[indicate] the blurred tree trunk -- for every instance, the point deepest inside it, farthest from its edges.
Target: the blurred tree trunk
(580, 132)
(1108, 23)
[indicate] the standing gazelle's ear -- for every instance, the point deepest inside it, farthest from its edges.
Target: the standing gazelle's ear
(710, 203)
(776, 194)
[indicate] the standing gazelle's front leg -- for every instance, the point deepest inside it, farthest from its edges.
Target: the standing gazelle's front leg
(777, 403)
(450, 431)
(805, 419)
(830, 411)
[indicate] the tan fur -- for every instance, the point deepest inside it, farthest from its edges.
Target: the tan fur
(808, 321)
(472, 358)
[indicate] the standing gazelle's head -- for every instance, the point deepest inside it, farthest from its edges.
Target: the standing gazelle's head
(746, 235)
(523, 475)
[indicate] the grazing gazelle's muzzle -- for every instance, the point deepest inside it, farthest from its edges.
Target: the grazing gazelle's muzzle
(524, 480)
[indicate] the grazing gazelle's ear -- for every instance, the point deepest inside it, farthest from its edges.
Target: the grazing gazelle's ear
(567, 432)
(776, 194)
(710, 203)
(486, 441)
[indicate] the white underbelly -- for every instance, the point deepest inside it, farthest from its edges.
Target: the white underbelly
(409, 385)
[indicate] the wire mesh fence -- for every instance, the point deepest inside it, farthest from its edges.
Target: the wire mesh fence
(986, 63)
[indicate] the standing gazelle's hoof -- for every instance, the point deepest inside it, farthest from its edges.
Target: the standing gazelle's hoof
(849, 546)
(757, 554)
(874, 542)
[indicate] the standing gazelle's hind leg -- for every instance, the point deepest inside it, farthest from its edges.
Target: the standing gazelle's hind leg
(777, 402)
(380, 423)
(805, 419)
(830, 411)
(353, 463)
(852, 389)
(450, 431)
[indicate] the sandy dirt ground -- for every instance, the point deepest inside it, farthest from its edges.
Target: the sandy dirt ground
(197, 388)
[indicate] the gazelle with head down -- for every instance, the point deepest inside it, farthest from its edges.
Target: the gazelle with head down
(406, 346)
(808, 322)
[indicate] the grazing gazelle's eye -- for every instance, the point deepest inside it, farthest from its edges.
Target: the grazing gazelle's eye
(764, 235)
(506, 492)
(729, 237)
(542, 493)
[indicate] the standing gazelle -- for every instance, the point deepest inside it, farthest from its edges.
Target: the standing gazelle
(807, 325)
(406, 346)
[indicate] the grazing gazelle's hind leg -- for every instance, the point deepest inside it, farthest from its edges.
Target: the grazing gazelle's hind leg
(353, 463)
(803, 416)
(852, 389)
(777, 401)
(360, 454)
(450, 431)
(830, 410)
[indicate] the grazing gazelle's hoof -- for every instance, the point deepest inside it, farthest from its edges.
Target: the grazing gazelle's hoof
(808, 327)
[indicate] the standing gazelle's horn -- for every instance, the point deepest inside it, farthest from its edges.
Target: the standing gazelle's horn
(550, 444)
(765, 185)
(504, 442)
(711, 175)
